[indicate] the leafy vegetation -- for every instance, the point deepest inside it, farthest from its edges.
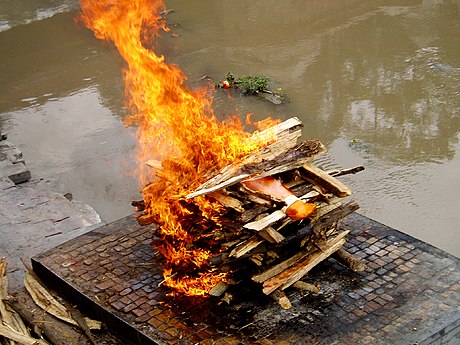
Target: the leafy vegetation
(249, 84)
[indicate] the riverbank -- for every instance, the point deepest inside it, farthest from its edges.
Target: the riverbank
(33, 217)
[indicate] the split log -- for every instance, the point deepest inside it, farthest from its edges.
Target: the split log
(297, 271)
(271, 235)
(19, 337)
(39, 326)
(349, 260)
(300, 186)
(246, 246)
(306, 286)
(277, 269)
(218, 289)
(282, 299)
(252, 213)
(320, 178)
(43, 298)
(10, 318)
(269, 160)
(227, 201)
(284, 265)
(266, 221)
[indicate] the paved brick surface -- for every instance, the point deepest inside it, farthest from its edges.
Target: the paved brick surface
(409, 294)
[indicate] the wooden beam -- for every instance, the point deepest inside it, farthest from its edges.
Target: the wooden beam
(301, 267)
(322, 179)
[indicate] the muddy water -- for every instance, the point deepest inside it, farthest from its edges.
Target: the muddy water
(377, 82)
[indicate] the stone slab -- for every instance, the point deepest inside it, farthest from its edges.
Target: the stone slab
(34, 219)
(410, 293)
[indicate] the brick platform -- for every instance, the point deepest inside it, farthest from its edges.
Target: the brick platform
(409, 294)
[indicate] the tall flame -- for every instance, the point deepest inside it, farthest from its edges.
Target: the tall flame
(177, 127)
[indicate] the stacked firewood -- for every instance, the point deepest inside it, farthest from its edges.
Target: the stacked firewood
(282, 215)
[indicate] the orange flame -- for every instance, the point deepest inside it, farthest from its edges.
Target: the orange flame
(176, 126)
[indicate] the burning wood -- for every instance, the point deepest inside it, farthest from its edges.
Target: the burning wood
(279, 217)
(260, 203)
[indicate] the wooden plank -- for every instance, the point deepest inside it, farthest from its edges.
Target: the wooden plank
(271, 235)
(305, 266)
(322, 179)
(246, 246)
(301, 266)
(282, 266)
(262, 165)
(227, 201)
(266, 221)
(286, 134)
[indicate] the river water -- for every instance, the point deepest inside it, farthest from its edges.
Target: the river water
(376, 81)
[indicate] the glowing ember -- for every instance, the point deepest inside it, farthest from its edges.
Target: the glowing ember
(176, 127)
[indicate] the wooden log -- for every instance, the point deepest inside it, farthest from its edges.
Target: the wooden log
(257, 259)
(349, 260)
(293, 240)
(266, 221)
(158, 168)
(253, 212)
(354, 170)
(19, 337)
(278, 268)
(282, 266)
(292, 274)
(145, 219)
(282, 299)
(299, 186)
(271, 235)
(246, 246)
(269, 160)
(305, 266)
(218, 289)
(7, 316)
(304, 286)
(320, 178)
(40, 327)
(227, 201)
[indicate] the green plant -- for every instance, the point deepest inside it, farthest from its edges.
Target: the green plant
(250, 85)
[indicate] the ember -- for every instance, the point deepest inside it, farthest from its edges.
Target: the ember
(199, 174)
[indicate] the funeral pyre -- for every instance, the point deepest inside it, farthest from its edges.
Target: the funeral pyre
(278, 217)
(221, 197)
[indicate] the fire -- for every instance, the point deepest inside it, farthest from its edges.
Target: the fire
(176, 126)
